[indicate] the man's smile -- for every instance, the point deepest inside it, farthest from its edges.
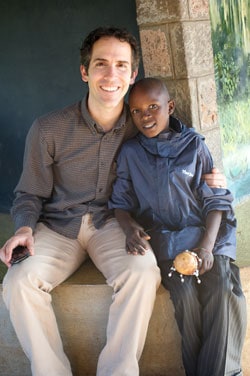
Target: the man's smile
(110, 88)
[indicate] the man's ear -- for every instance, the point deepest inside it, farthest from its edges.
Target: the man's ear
(84, 73)
(171, 106)
(133, 77)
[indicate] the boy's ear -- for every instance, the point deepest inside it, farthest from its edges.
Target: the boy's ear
(171, 106)
(84, 73)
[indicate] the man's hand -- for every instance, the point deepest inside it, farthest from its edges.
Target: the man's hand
(24, 237)
(215, 179)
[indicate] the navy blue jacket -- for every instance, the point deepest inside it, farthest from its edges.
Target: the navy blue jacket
(159, 182)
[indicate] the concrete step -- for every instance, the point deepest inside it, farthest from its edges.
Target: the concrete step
(81, 305)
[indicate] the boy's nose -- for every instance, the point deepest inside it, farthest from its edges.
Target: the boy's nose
(146, 114)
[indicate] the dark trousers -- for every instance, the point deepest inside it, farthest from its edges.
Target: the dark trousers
(211, 317)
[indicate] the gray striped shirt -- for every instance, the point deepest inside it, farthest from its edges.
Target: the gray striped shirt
(68, 170)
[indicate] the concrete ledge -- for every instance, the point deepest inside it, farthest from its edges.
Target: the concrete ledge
(82, 321)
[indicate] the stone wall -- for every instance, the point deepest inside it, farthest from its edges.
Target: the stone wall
(177, 47)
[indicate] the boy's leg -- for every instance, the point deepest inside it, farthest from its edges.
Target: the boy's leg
(26, 291)
(187, 307)
(135, 280)
(213, 330)
(224, 320)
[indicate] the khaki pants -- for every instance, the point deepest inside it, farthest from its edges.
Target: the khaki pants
(134, 279)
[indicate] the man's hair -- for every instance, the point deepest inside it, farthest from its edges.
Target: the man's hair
(121, 34)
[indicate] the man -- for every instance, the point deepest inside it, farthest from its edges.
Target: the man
(60, 216)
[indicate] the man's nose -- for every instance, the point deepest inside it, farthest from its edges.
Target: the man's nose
(109, 71)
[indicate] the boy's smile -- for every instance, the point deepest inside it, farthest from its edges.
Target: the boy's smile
(150, 109)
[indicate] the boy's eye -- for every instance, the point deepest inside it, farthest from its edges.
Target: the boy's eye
(153, 107)
(135, 112)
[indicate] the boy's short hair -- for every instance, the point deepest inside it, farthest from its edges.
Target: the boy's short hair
(120, 33)
(148, 83)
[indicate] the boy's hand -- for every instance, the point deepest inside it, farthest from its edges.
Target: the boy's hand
(136, 241)
(207, 259)
(136, 237)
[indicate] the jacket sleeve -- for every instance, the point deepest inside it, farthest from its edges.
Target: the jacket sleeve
(215, 199)
(123, 195)
(220, 199)
(211, 198)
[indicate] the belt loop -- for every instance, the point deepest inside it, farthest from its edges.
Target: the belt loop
(89, 219)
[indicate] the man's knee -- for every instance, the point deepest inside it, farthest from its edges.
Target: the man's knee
(145, 266)
(11, 285)
(140, 271)
(18, 281)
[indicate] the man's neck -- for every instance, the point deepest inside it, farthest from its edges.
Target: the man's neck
(105, 116)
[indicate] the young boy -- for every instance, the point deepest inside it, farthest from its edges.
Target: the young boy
(159, 195)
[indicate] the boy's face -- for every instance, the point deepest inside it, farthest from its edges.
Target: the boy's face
(110, 72)
(150, 110)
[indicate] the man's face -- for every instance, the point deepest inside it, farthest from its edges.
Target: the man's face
(110, 72)
(150, 110)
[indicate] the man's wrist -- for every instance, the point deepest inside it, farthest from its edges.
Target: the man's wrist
(24, 230)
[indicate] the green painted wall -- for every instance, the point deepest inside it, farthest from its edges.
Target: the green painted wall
(230, 22)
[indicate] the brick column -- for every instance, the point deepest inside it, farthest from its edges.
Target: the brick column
(176, 47)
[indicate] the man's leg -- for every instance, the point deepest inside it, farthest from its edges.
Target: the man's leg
(135, 280)
(26, 291)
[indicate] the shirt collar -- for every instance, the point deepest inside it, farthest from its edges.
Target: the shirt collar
(95, 127)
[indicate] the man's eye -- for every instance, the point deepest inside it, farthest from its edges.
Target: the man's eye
(100, 63)
(122, 66)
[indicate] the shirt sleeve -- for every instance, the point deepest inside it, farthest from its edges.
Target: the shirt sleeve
(36, 181)
(123, 195)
